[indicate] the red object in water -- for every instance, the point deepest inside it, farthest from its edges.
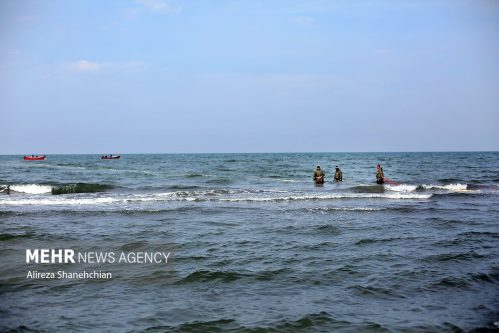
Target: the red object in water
(34, 158)
(110, 157)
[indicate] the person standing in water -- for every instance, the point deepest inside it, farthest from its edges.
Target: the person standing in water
(319, 175)
(380, 177)
(338, 175)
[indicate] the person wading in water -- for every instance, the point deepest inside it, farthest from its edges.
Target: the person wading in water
(380, 177)
(319, 175)
(338, 175)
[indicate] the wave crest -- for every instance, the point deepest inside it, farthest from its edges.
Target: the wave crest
(332, 197)
(31, 188)
(448, 187)
(401, 188)
(57, 189)
(80, 188)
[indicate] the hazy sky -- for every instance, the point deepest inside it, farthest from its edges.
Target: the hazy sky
(248, 76)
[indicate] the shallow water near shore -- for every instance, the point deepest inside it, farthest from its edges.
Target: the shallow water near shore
(254, 245)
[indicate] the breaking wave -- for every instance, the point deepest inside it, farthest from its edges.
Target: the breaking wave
(31, 188)
(401, 188)
(401, 191)
(334, 196)
(58, 202)
(57, 189)
(212, 195)
(410, 188)
(80, 188)
(449, 187)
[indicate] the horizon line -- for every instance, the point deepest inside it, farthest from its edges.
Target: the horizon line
(273, 152)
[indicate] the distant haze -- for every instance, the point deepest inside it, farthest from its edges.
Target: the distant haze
(248, 76)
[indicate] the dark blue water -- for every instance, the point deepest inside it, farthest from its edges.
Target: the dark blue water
(255, 245)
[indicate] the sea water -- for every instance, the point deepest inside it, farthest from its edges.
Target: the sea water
(253, 244)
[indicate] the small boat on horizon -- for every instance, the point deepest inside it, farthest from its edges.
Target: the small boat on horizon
(110, 157)
(34, 157)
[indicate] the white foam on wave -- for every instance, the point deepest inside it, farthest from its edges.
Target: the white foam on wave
(404, 196)
(401, 188)
(173, 196)
(59, 202)
(332, 197)
(31, 188)
(169, 196)
(449, 187)
(82, 201)
(348, 209)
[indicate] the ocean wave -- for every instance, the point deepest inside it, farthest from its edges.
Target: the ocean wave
(411, 188)
(377, 292)
(481, 277)
(69, 166)
(451, 282)
(449, 180)
(320, 322)
(207, 276)
(314, 322)
(374, 240)
(6, 237)
(478, 234)
(58, 189)
(211, 195)
(47, 201)
(401, 188)
(367, 189)
(457, 187)
(344, 209)
(402, 191)
(272, 274)
(328, 229)
(80, 188)
(468, 256)
(448, 187)
(458, 194)
(483, 187)
(331, 197)
(10, 213)
(220, 181)
(48, 165)
(193, 175)
(31, 188)
(183, 187)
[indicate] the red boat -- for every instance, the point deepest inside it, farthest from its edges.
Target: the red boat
(110, 157)
(34, 157)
